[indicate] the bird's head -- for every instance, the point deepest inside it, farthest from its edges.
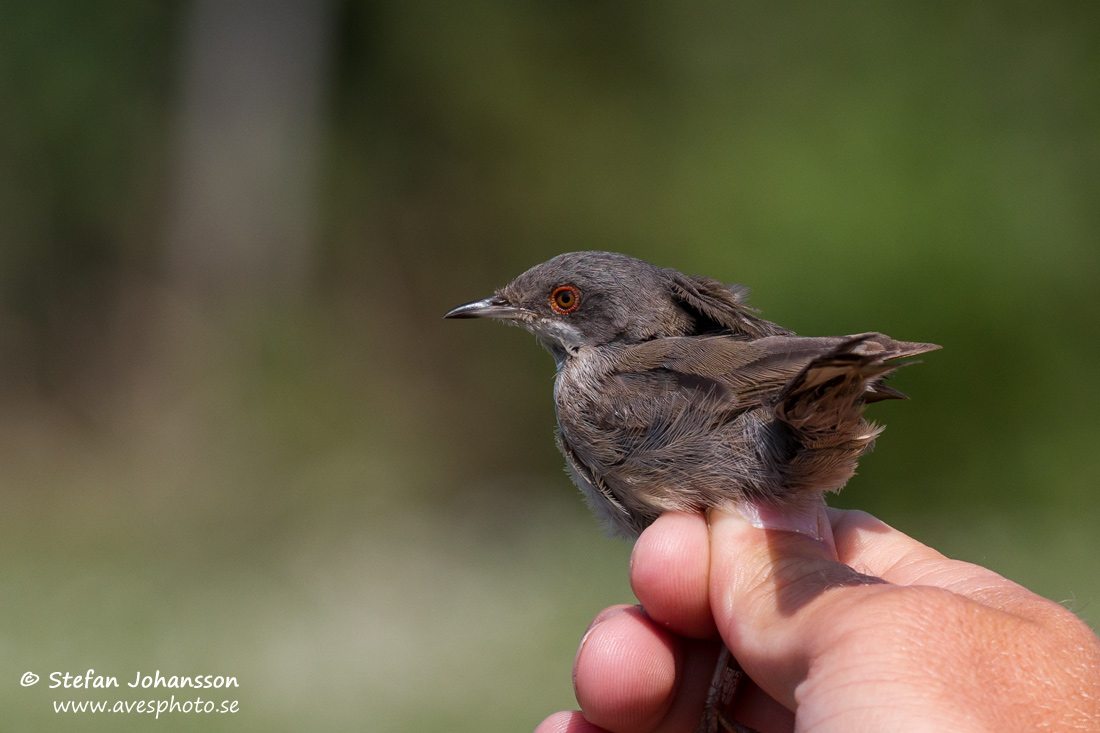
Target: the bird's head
(581, 299)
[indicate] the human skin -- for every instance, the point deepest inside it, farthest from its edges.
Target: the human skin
(894, 636)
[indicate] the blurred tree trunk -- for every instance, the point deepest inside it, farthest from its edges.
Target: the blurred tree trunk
(242, 219)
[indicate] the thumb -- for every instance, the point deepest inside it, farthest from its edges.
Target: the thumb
(772, 594)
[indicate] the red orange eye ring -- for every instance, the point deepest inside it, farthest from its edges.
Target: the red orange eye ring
(565, 299)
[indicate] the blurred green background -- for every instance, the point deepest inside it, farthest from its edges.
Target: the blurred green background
(236, 438)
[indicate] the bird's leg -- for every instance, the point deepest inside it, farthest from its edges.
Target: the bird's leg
(725, 686)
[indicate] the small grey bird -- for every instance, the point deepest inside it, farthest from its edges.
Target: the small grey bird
(672, 394)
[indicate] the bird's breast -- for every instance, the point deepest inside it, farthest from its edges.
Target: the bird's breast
(582, 378)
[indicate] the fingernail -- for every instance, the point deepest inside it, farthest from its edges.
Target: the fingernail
(811, 520)
(600, 618)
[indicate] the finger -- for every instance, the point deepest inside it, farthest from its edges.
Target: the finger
(759, 711)
(626, 672)
(766, 586)
(568, 721)
(628, 692)
(669, 571)
(873, 547)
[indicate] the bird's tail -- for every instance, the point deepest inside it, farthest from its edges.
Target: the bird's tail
(823, 404)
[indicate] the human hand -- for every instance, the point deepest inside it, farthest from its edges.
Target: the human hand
(913, 641)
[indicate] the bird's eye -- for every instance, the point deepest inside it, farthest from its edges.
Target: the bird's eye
(565, 299)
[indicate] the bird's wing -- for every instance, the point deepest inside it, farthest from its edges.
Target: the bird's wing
(751, 372)
(696, 382)
(717, 366)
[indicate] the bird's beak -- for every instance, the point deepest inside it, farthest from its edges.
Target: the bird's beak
(492, 307)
